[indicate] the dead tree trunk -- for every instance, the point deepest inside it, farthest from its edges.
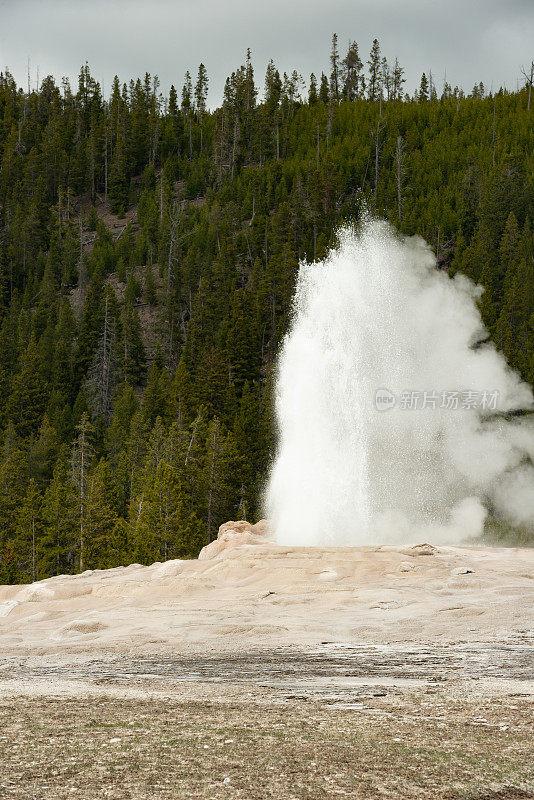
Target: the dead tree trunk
(529, 77)
(399, 158)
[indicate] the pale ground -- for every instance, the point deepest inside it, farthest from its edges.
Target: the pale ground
(248, 594)
(309, 673)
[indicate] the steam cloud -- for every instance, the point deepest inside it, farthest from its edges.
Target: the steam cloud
(378, 315)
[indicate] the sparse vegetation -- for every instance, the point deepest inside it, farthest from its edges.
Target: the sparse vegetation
(417, 746)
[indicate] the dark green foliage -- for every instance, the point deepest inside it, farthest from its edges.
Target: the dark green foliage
(312, 94)
(423, 89)
(149, 293)
(323, 89)
(131, 347)
(136, 359)
(28, 395)
(118, 183)
(374, 84)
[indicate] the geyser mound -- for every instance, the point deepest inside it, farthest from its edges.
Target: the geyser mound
(390, 404)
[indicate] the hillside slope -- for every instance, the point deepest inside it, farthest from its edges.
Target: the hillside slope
(136, 370)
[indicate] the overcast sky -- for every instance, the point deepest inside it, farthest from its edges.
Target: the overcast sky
(468, 40)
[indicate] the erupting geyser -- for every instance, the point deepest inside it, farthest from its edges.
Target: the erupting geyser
(390, 404)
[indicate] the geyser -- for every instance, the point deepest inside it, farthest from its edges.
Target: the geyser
(391, 405)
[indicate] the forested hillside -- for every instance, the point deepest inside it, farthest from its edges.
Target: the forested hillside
(148, 253)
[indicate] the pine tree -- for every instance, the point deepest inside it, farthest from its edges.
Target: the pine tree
(250, 433)
(13, 476)
(165, 527)
(423, 89)
(201, 91)
(104, 372)
(82, 455)
(221, 478)
(398, 81)
(28, 396)
(118, 182)
(386, 81)
(133, 290)
(102, 547)
(139, 127)
(44, 452)
(375, 70)
(150, 295)
(510, 253)
(58, 542)
(187, 93)
(125, 407)
(351, 73)
(155, 397)
(250, 90)
(181, 399)
(273, 87)
(334, 69)
(28, 529)
(173, 101)
(133, 351)
(324, 93)
(312, 93)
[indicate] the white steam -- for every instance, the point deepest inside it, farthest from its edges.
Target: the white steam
(378, 315)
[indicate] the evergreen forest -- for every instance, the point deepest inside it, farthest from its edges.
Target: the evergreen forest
(148, 253)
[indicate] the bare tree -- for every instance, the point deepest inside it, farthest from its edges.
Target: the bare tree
(175, 219)
(81, 272)
(529, 77)
(106, 147)
(92, 164)
(103, 373)
(377, 144)
(234, 145)
(401, 171)
(161, 195)
(493, 134)
(397, 81)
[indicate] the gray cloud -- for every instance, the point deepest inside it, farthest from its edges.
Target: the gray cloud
(468, 40)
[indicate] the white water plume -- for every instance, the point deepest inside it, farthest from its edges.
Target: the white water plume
(377, 316)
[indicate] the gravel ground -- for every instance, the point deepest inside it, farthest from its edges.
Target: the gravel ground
(360, 723)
